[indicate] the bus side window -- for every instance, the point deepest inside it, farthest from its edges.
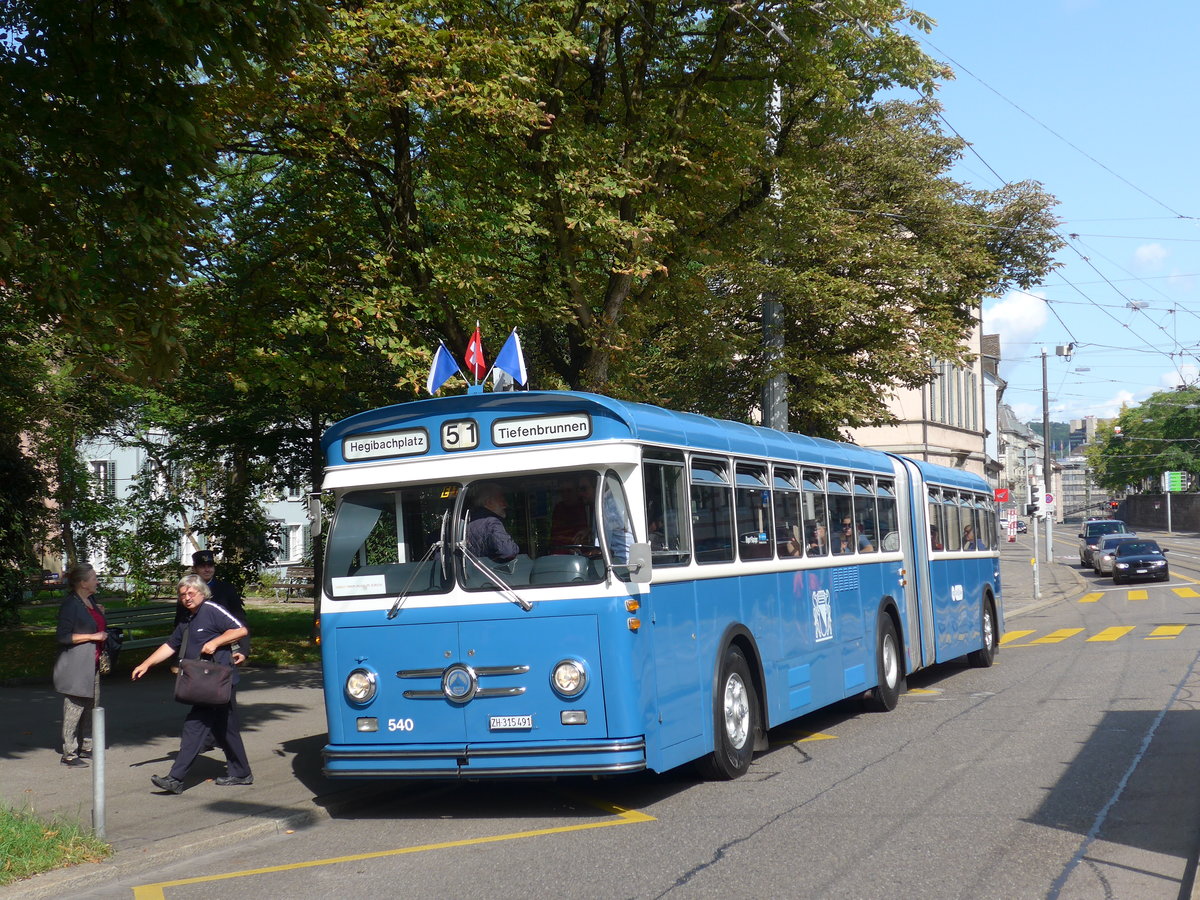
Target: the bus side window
(712, 512)
(754, 529)
(666, 508)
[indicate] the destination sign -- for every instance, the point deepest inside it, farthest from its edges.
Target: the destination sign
(411, 442)
(538, 429)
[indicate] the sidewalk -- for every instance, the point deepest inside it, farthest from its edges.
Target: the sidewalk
(1058, 580)
(283, 724)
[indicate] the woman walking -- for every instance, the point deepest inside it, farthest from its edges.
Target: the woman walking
(208, 630)
(81, 634)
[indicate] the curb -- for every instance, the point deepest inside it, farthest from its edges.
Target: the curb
(127, 864)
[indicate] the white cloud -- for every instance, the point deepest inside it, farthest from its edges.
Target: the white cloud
(1111, 408)
(1187, 374)
(1017, 318)
(1150, 257)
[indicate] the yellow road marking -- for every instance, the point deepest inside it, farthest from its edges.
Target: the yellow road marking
(800, 737)
(923, 691)
(1139, 595)
(1055, 636)
(1112, 634)
(623, 817)
(1013, 636)
(1185, 592)
(1090, 598)
(1165, 631)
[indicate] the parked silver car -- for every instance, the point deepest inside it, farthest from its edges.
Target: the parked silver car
(1102, 556)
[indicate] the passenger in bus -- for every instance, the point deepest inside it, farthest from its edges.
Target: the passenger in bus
(865, 544)
(570, 521)
(935, 538)
(818, 539)
(654, 528)
(486, 535)
(969, 541)
(846, 540)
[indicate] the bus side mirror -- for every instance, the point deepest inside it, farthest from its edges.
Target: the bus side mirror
(639, 566)
(314, 513)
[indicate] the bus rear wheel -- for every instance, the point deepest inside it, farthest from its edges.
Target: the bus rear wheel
(889, 668)
(983, 657)
(735, 720)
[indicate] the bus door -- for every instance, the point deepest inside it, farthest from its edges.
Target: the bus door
(921, 643)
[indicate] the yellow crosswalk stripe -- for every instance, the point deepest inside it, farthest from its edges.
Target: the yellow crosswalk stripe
(1112, 634)
(1013, 636)
(1055, 636)
(1185, 592)
(1090, 598)
(1165, 631)
(1139, 595)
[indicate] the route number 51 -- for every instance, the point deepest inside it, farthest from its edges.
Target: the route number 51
(462, 434)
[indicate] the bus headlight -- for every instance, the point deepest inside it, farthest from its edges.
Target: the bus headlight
(569, 678)
(360, 686)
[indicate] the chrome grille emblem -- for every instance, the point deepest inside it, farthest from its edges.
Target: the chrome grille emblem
(459, 683)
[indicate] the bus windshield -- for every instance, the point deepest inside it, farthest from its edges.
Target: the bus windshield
(532, 530)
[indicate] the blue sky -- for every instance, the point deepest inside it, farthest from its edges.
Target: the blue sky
(1095, 99)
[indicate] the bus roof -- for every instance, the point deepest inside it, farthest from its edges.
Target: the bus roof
(626, 420)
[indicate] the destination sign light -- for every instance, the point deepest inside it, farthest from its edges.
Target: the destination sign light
(410, 442)
(539, 429)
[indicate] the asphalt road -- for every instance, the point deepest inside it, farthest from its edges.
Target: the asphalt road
(1066, 770)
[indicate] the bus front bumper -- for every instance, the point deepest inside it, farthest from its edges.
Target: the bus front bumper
(513, 760)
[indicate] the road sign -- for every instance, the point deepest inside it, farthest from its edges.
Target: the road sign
(1001, 495)
(1049, 501)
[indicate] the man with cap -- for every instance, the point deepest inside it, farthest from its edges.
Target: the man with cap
(223, 594)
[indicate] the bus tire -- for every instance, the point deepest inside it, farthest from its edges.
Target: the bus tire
(984, 656)
(735, 720)
(888, 666)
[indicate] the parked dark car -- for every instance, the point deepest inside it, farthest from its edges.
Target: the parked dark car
(1140, 559)
(1091, 534)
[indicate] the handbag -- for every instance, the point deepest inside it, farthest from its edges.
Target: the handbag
(115, 637)
(203, 682)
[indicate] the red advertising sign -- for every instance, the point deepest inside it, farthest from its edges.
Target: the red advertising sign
(1001, 495)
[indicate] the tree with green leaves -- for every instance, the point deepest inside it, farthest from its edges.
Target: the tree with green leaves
(1161, 434)
(607, 178)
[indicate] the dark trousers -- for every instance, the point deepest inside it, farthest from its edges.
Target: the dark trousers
(209, 725)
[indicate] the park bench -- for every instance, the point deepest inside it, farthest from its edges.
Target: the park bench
(144, 626)
(297, 580)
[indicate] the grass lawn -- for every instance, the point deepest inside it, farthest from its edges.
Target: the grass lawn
(280, 635)
(30, 846)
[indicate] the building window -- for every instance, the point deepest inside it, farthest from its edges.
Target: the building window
(104, 477)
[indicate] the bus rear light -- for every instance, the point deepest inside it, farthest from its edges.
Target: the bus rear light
(632, 605)
(573, 717)
(635, 624)
(367, 723)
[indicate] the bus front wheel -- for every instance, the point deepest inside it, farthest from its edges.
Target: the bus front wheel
(889, 667)
(735, 720)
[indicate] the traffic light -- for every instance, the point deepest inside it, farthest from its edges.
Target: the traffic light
(1032, 509)
(1113, 504)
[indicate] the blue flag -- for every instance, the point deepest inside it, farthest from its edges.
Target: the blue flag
(511, 360)
(443, 369)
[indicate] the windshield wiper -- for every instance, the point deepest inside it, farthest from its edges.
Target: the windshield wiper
(435, 547)
(490, 575)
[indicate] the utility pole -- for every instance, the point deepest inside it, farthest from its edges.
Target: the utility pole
(1047, 469)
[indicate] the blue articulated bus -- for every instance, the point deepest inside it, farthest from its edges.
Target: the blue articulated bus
(551, 583)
